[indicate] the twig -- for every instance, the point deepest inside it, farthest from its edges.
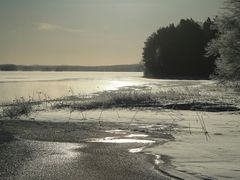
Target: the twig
(132, 119)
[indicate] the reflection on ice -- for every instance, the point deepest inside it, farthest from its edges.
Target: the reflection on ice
(136, 135)
(158, 160)
(136, 150)
(151, 126)
(119, 84)
(116, 131)
(120, 140)
(57, 84)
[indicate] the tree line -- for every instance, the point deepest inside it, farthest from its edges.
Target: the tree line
(196, 50)
(114, 68)
(179, 51)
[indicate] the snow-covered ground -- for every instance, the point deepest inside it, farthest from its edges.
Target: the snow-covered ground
(192, 152)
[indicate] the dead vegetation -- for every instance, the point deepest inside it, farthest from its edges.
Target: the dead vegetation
(205, 98)
(175, 98)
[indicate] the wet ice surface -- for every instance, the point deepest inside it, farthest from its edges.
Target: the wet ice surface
(137, 135)
(57, 160)
(120, 140)
(190, 153)
(27, 159)
(124, 138)
(58, 84)
(216, 157)
(116, 131)
(136, 150)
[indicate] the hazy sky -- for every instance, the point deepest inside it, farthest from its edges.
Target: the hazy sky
(88, 32)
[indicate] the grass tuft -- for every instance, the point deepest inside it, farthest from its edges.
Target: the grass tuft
(205, 98)
(18, 108)
(174, 98)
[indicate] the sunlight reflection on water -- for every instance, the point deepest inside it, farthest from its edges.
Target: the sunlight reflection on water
(120, 140)
(57, 84)
(119, 84)
(136, 150)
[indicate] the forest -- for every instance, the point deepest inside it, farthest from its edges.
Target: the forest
(179, 51)
(114, 68)
(196, 50)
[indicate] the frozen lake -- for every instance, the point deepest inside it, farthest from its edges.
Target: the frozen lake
(214, 159)
(57, 84)
(18, 84)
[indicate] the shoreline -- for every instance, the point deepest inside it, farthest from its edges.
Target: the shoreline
(59, 127)
(82, 143)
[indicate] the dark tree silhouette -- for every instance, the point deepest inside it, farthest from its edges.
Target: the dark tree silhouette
(178, 51)
(8, 67)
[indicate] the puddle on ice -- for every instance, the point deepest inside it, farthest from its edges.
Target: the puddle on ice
(116, 131)
(121, 140)
(136, 150)
(136, 135)
(109, 138)
(158, 160)
(153, 127)
(122, 132)
(124, 138)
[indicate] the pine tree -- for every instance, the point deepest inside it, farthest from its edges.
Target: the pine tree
(178, 51)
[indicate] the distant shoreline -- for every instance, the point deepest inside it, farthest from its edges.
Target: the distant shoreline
(108, 68)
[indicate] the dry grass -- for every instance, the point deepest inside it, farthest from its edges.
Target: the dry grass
(18, 108)
(174, 98)
(204, 98)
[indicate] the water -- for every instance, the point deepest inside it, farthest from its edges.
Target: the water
(124, 138)
(120, 140)
(57, 84)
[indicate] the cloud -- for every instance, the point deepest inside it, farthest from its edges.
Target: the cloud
(43, 26)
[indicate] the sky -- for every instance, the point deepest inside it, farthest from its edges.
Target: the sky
(88, 32)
